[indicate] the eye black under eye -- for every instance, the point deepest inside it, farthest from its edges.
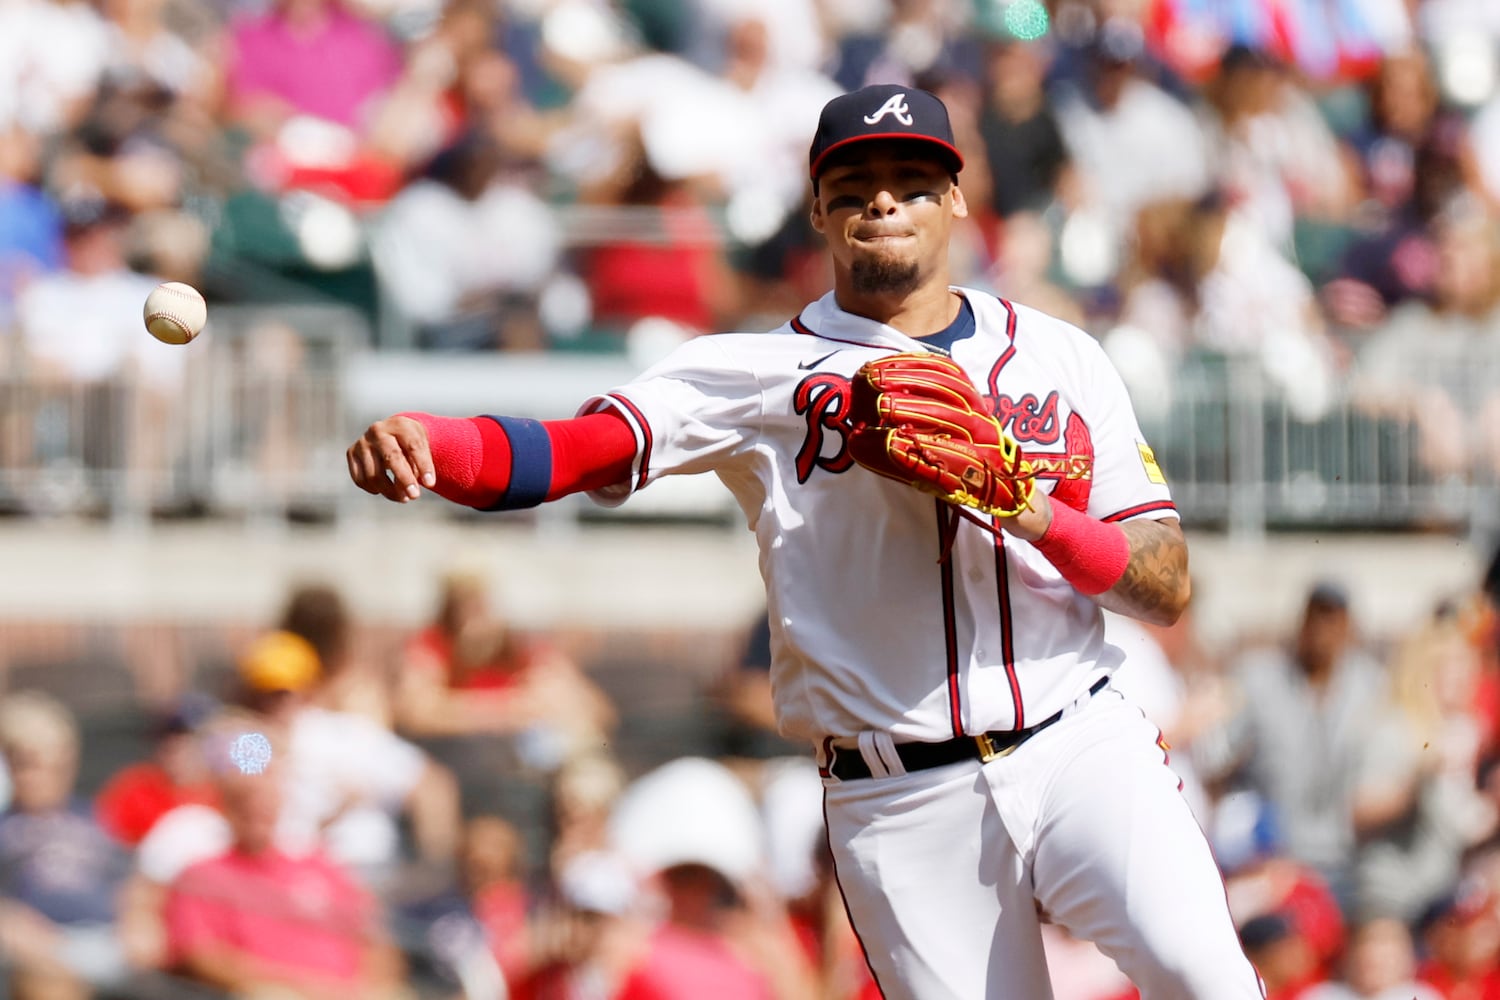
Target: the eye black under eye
(844, 201)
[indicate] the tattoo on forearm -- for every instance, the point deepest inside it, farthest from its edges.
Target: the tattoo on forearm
(1155, 581)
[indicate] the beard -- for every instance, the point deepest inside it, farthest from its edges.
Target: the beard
(880, 275)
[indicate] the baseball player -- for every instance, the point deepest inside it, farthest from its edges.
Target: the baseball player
(946, 488)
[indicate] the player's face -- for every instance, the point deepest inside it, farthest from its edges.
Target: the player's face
(887, 216)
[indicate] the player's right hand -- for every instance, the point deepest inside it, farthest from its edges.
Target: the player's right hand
(391, 458)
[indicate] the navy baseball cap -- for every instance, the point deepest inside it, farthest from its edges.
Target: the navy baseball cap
(883, 111)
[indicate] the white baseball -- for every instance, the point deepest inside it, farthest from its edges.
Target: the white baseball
(175, 313)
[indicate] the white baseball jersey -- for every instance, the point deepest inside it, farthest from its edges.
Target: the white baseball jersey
(871, 630)
(878, 639)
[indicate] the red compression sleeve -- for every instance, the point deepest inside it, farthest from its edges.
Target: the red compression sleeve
(478, 463)
(590, 452)
(1090, 554)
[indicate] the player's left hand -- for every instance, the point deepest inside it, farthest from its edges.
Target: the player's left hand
(391, 457)
(917, 418)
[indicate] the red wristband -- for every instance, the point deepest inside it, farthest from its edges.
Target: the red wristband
(470, 455)
(1090, 554)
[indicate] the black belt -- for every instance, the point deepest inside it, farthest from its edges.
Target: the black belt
(848, 765)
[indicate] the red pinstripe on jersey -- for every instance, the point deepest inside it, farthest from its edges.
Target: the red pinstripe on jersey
(950, 620)
(1136, 511)
(1010, 350)
(647, 441)
(1002, 564)
(1007, 628)
(1007, 624)
(950, 624)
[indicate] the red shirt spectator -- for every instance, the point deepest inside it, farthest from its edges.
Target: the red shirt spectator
(490, 859)
(303, 916)
(1286, 961)
(469, 673)
(670, 265)
(134, 799)
(1314, 912)
(256, 918)
(175, 775)
(672, 280)
(1480, 986)
(583, 944)
(685, 964)
(1462, 944)
(503, 668)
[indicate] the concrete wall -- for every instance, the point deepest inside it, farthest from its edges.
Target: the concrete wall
(616, 575)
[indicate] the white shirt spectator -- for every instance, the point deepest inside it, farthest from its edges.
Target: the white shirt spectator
(436, 250)
(88, 327)
(691, 122)
(1439, 21)
(695, 124)
(341, 767)
(51, 58)
(1278, 163)
(181, 838)
(1484, 134)
(165, 59)
(798, 39)
(349, 777)
(1146, 148)
(787, 101)
(1255, 303)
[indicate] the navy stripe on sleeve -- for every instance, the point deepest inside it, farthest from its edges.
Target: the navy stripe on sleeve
(530, 463)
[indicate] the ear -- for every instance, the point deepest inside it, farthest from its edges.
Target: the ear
(960, 206)
(815, 214)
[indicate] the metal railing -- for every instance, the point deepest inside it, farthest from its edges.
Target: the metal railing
(1242, 457)
(274, 395)
(256, 426)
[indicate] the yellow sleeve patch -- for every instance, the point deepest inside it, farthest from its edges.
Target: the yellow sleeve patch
(1148, 459)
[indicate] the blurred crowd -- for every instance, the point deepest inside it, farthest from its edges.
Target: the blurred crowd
(451, 814)
(1309, 190)
(464, 810)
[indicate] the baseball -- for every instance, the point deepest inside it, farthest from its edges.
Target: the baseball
(175, 313)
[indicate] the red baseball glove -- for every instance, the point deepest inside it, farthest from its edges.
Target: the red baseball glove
(917, 418)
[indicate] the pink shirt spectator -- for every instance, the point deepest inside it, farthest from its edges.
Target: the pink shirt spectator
(682, 964)
(331, 71)
(298, 914)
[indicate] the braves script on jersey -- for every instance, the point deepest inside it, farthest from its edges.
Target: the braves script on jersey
(991, 638)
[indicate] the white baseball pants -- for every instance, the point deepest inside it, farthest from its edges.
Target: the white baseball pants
(944, 870)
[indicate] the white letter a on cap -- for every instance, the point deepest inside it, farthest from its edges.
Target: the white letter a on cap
(895, 106)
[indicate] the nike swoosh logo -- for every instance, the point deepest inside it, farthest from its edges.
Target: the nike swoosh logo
(808, 366)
